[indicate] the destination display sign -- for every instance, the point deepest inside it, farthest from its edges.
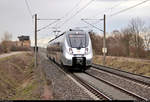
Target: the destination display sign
(76, 35)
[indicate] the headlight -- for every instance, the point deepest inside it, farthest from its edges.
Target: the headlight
(86, 50)
(70, 51)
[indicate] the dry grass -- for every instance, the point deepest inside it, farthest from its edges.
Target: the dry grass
(137, 66)
(17, 78)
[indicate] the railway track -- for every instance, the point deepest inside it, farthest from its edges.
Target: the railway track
(96, 91)
(119, 88)
(130, 76)
(92, 89)
(89, 87)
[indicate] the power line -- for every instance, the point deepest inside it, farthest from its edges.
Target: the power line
(84, 20)
(129, 8)
(48, 19)
(111, 8)
(78, 3)
(28, 7)
(69, 12)
(72, 17)
(48, 25)
(78, 12)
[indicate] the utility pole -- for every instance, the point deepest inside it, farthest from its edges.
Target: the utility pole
(104, 41)
(104, 49)
(35, 64)
(37, 30)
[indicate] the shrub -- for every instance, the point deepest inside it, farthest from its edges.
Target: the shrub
(6, 45)
(20, 48)
(1, 49)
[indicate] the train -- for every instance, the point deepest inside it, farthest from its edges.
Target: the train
(74, 50)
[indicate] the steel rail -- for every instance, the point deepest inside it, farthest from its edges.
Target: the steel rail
(121, 75)
(118, 87)
(89, 87)
(97, 92)
(92, 89)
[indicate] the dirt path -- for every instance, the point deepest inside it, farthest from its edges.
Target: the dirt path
(47, 95)
(10, 54)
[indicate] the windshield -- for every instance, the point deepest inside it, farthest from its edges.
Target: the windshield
(77, 40)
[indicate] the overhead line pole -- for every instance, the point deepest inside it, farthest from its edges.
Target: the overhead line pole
(35, 41)
(104, 41)
(36, 30)
(104, 49)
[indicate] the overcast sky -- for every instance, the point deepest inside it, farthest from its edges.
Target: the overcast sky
(16, 19)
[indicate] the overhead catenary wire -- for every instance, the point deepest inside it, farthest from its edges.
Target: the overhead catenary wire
(72, 17)
(91, 25)
(121, 11)
(94, 23)
(28, 8)
(108, 9)
(111, 8)
(77, 12)
(47, 25)
(69, 12)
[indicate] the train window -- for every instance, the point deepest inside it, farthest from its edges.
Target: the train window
(78, 40)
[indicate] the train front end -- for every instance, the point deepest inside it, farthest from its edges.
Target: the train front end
(77, 49)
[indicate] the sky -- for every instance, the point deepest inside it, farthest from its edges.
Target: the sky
(17, 20)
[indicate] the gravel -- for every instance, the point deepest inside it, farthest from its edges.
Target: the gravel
(62, 86)
(139, 89)
(144, 79)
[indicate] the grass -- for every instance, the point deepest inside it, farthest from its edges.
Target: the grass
(19, 80)
(27, 92)
(137, 66)
(16, 71)
(6, 58)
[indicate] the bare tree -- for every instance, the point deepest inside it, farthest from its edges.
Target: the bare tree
(115, 44)
(146, 37)
(97, 43)
(6, 42)
(7, 36)
(126, 40)
(136, 26)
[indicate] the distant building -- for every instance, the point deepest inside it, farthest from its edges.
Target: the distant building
(24, 41)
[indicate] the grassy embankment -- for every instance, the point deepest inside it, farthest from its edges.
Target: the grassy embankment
(19, 79)
(137, 66)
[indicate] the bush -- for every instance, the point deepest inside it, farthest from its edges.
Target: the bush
(118, 45)
(20, 48)
(97, 43)
(1, 49)
(6, 45)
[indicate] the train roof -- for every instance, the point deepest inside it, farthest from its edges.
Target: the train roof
(76, 32)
